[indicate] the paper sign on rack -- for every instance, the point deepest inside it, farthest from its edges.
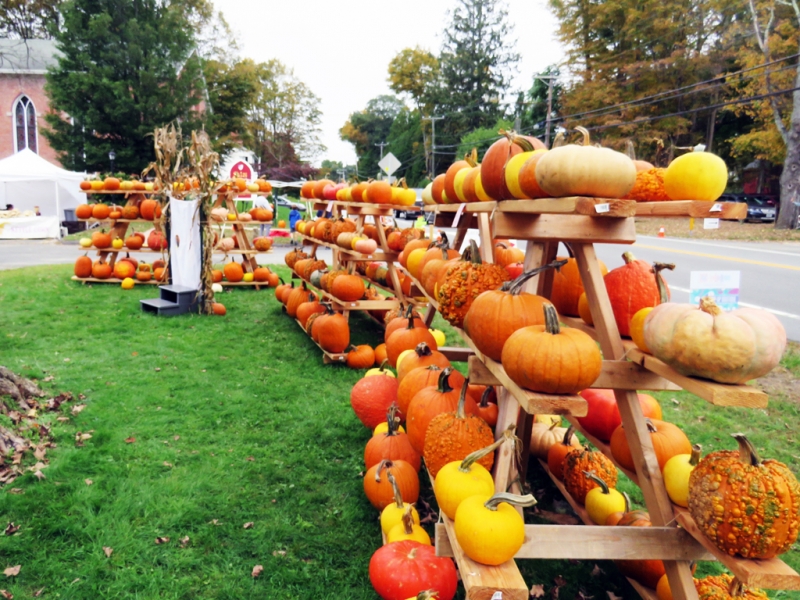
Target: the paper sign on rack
(720, 286)
(602, 208)
(459, 212)
(711, 223)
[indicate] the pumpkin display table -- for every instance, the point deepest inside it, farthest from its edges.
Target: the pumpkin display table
(582, 222)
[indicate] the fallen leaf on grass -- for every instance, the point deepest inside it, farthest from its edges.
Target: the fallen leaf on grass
(597, 571)
(38, 592)
(162, 540)
(108, 551)
(12, 571)
(168, 464)
(214, 522)
(48, 378)
(81, 397)
(176, 438)
(248, 525)
(78, 408)
(16, 491)
(158, 369)
(130, 440)
(76, 580)
(6, 594)
(250, 458)
(279, 553)
(537, 591)
(184, 541)
(134, 354)
(39, 475)
(257, 570)
(11, 528)
(62, 419)
(613, 596)
(88, 481)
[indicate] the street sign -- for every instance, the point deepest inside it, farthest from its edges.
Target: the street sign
(389, 164)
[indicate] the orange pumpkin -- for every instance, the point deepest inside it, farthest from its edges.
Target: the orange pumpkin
(392, 445)
(101, 269)
(568, 287)
(422, 356)
(83, 267)
(378, 488)
(233, 272)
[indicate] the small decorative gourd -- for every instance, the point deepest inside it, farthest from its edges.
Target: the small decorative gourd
(575, 463)
(602, 501)
(407, 529)
(677, 472)
(393, 513)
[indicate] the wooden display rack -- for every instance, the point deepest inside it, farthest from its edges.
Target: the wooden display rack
(545, 223)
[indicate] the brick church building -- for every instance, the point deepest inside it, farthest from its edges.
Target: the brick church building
(23, 102)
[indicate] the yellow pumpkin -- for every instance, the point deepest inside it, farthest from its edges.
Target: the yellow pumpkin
(383, 427)
(438, 336)
(459, 480)
(603, 501)
(392, 514)
(676, 473)
(128, 283)
(513, 168)
(637, 328)
(574, 170)
(696, 176)
(489, 529)
(407, 529)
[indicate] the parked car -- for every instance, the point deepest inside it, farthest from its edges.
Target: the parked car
(284, 201)
(412, 212)
(761, 208)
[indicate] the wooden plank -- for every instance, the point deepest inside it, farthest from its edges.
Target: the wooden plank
(532, 402)
(454, 354)
(120, 192)
(605, 207)
(645, 592)
(692, 208)
(479, 374)
(352, 255)
(534, 257)
(773, 574)
(482, 582)
(114, 280)
(564, 228)
(357, 208)
(468, 221)
(719, 394)
(469, 207)
(485, 235)
(327, 357)
(504, 470)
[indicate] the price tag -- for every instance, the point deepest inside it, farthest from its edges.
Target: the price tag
(329, 207)
(711, 223)
(459, 212)
(716, 208)
(497, 596)
(602, 208)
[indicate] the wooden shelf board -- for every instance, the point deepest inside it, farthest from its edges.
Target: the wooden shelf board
(531, 402)
(120, 192)
(259, 223)
(115, 280)
(564, 228)
(359, 305)
(113, 221)
(574, 205)
(719, 394)
(115, 251)
(416, 282)
(263, 284)
(771, 574)
(243, 252)
(469, 207)
(362, 208)
(480, 581)
(692, 208)
(413, 301)
(351, 254)
(327, 357)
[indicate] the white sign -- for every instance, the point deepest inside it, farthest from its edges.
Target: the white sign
(389, 164)
(29, 228)
(721, 286)
(710, 223)
(602, 208)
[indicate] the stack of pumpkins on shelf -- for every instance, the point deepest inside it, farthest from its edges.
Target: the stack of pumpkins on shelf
(233, 272)
(519, 167)
(372, 192)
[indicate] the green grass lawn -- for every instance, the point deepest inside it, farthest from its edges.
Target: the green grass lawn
(236, 420)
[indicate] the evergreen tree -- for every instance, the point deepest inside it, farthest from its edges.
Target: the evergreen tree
(406, 143)
(126, 67)
(476, 63)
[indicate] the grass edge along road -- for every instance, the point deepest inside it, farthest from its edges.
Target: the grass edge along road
(234, 420)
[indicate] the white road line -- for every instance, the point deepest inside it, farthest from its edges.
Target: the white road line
(746, 304)
(743, 248)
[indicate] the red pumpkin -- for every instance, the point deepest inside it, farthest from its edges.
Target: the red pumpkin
(371, 398)
(487, 410)
(632, 287)
(603, 416)
(157, 241)
(401, 570)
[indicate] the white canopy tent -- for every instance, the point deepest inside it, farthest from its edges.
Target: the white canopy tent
(27, 181)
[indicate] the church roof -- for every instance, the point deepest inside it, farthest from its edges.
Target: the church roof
(26, 56)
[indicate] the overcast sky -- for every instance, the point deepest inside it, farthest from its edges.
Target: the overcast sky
(341, 50)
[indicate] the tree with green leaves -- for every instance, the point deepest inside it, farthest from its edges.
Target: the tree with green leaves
(232, 90)
(368, 128)
(405, 141)
(125, 68)
(29, 19)
(482, 138)
(477, 61)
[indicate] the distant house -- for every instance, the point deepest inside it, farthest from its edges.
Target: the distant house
(23, 102)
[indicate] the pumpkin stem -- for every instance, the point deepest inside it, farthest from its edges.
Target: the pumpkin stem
(603, 485)
(736, 588)
(444, 381)
(383, 364)
(747, 452)
(471, 158)
(384, 464)
(567, 441)
(391, 420)
(515, 499)
(551, 320)
(423, 349)
(708, 305)
(628, 257)
(627, 502)
(663, 294)
(559, 140)
(485, 396)
(651, 426)
(398, 497)
(515, 287)
(474, 457)
(471, 254)
(520, 141)
(630, 151)
(697, 450)
(585, 133)
(462, 399)
(408, 519)
(427, 595)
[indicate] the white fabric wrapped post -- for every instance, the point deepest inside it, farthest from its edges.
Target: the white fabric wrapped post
(185, 243)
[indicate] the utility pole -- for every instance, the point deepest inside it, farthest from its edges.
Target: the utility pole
(381, 144)
(550, 79)
(432, 119)
(342, 173)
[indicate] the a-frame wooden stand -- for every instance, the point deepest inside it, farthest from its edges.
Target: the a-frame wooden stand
(582, 222)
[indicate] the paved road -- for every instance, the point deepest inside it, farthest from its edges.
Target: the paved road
(770, 271)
